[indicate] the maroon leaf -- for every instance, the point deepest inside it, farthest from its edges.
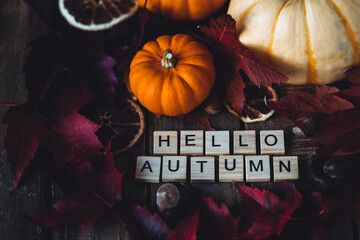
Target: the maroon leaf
(186, 228)
(95, 69)
(140, 223)
(90, 192)
(200, 117)
(215, 221)
(231, 57)
(24, 134)
(54, 124)
(340, 136)
(45, 59)
(318, 107)
(306, 221)
(267, 212)
(351, 94)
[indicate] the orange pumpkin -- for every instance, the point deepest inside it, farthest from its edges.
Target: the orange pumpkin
(183, 9)
(172, 75)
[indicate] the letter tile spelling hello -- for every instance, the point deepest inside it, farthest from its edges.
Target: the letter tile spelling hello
(192, 142)
(244, 142)
(217, 142)
(174, 168)
(165, 142)
(148, 169)
(272, 142)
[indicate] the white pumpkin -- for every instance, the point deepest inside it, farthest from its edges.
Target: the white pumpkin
(310, 41)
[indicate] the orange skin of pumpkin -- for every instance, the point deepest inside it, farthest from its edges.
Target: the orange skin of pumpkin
(193, 10)
(178, 90)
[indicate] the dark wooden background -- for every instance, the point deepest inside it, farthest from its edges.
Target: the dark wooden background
(18, 26)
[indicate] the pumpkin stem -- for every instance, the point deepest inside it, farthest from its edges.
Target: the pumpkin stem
(168, 60)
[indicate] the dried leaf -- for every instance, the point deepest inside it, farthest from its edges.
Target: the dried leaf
(55, 124)
(215, 221)
(90, 191)
(306, 221)
(42, 64)
(318, 106)
(200, 117)
(267, 213)
(186, 228)
(231, 57)
(140, 223)
(340, 136)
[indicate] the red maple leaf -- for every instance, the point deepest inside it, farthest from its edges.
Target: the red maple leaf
(55, 124)
(267, 213)
(216, 222)
(91, 188)
(231, 57)
(318, 106)
(141, 224)
(339, 136)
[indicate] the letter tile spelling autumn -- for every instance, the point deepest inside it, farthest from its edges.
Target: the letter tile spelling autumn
(235, 155)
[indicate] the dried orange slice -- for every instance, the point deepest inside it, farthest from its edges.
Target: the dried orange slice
(255, 107)
(125, 125)
(96, 15)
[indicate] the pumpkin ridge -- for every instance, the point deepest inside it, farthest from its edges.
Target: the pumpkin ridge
(270, 47)
(245, 13)
(349, 32)
(311, 74)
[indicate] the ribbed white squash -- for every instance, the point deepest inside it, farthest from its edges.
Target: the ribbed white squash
(310, 41)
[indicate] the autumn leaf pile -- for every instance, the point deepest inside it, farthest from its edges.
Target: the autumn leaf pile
(66, 71)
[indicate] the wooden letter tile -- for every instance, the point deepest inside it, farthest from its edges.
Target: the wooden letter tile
(174, 169)
(148, 169)
(231, 168)
(192, 142)
(245, 142)
(272, 142)
(285, 168)
(217, 142)
(202, 169)
(257, 168)
(165, 142)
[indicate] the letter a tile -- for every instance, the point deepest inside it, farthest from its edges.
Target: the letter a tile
(165, 142)
(148, 169)
(231, 168)
(257, 168)
(285, 168)
(174, 169)
(272, 142)
(202, 169)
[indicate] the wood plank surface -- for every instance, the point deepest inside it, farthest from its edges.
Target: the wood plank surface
(18, 26)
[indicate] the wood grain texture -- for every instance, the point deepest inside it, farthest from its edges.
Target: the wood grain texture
(18, 26)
